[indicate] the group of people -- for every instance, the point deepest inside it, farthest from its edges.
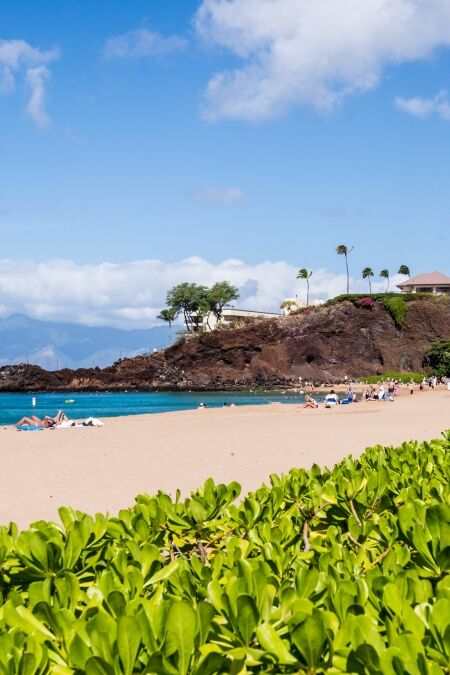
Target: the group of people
(59, 420)
(332, 399)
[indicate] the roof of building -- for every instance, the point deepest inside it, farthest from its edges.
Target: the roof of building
(427, 279)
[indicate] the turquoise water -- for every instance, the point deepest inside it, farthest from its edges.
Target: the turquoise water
(15, 406)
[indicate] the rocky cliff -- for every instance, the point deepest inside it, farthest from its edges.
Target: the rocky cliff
(324, 345)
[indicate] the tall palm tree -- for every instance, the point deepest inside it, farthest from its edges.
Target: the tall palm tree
(366, 274)
(305, 274)
(344, 250)
(386, 275)
(404, 269)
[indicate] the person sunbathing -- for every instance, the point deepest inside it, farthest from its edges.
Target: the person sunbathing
(310, 403)
(47, 423)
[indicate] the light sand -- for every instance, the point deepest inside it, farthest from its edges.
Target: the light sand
(103, 469)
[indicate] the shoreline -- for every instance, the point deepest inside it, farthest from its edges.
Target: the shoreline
(103, 469)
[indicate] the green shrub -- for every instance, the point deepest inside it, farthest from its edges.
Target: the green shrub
(397, 308)
(438, 358)
(407, 297)
(393, 375)
(342, 571)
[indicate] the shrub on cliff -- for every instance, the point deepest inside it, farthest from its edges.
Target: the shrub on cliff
(438, 358)
(343, 571)
(397, 308)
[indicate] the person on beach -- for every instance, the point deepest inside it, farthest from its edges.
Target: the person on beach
(47, 423)
(310, 402)
(331, 399)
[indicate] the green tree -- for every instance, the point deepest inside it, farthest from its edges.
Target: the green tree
(167, 315)
(385, 274)
(188, 300)
(404, 269)
(438, 357)
(305, 274)
(219, 295)
(195, 302)
(344, 250)
(367, 273)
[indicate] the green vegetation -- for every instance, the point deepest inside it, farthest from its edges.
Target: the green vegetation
(438, 358)
(397, 308)
(344, 250)
(393, 375)
(407, 297)
(193, 302)
(342, 571)
(385, 274)
(367, 273)
(305, 274)
(404, 269)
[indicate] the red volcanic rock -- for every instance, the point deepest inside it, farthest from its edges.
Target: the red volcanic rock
(345, 339)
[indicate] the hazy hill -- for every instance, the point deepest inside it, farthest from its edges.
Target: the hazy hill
(64, 345)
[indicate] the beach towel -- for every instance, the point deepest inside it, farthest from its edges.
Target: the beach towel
(29, 427)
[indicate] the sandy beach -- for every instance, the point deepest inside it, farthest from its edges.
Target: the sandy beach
(103, 469)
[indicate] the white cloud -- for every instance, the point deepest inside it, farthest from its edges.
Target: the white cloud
(424, 107)
(313, 52)
(36, 105)
(131, 295)
(17, 57)
(142, 43)
(216, 196)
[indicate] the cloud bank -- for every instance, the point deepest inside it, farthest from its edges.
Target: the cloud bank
(425, 107)
(131, 295)
(20, 59)
(142, 43)
(313, 52)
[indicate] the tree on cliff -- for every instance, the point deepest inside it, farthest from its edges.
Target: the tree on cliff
(438, 357)
(167, 315)
(404, 269)
(344, 250)
(194, 302)
(305, 274)
(220, 295)
(366, 274)
(385, 274)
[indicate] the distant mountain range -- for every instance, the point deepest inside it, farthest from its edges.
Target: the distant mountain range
(65, 345)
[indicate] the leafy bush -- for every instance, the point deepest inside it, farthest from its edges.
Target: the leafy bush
(342, 571)
(407, 297)
(366, 302)
(438, 357)
(397, 308)
(393, 375)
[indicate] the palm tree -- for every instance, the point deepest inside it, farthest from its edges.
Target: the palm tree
(342, 249)
(366, 274)
(167, 315)
(385, 274)
(404, 269)
(305, 274)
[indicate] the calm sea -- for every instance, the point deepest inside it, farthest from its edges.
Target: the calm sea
(14, 406)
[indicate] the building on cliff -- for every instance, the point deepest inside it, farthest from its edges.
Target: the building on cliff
(231, 317)
(430, 282)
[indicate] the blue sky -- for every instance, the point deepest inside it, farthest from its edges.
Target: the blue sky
(139, 159)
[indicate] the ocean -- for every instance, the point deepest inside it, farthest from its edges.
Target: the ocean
(15, 406)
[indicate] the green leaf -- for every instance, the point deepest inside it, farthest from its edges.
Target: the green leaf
(98, 666)
(180, 634)
(128, 641)
(309, 638)
(163, 574)
(270, 641)
(247, 617)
